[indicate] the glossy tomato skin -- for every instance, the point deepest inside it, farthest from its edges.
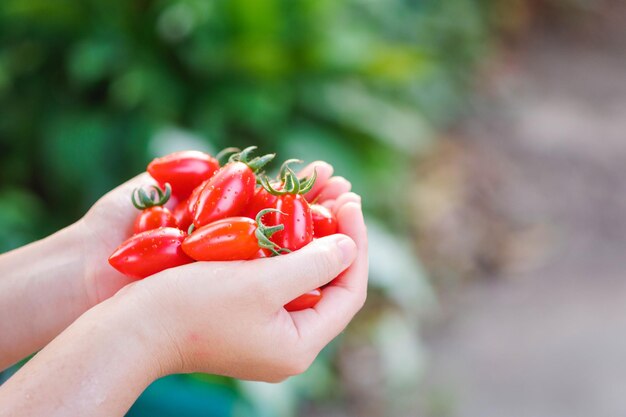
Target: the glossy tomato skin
(226, 194)
(261, 200)
(229, 239)
(295, 214)
(324, 223)
(307, 300)
(153, 218)
(150, 252)
(183, 170)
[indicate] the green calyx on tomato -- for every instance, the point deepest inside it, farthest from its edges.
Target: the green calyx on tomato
(291, 184)
(263, 233)
(254, 164)
(154, 197)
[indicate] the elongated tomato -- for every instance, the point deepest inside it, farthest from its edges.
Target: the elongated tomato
(228, 192)
(295, 214)
(227, 239)
(184, 170)
(232, 239)
(324, 223)
(150, 252)
(292, 209)
(307, 300)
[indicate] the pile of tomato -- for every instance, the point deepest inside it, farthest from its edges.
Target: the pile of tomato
(220, 213)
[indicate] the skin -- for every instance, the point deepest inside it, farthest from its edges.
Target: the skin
(102, 350)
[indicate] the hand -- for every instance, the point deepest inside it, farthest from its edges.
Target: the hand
(109, 222)
(228, 318)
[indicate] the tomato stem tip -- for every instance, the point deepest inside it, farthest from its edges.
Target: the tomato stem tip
(156, 197)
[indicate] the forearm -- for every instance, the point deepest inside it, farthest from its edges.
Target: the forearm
(41, 292)
(98, 367)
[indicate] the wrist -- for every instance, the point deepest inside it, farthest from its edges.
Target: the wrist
(141, 318)
(128, 324)
(98, 366)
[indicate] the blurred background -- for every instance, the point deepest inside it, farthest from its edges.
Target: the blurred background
(487, 138)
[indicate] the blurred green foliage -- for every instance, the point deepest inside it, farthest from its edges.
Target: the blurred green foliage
(90, 91)
(85, 86)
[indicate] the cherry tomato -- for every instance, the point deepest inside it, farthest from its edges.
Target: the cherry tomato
(184, 170)
(230, 239)
(292, 209)
(153, 213)
(153, 218)
(307, 300)
(295, 214)
(228, 192)
(150, 252)
(324, 223)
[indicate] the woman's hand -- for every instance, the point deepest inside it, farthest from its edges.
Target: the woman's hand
(228, 318)
(48, 284)
(225, 318)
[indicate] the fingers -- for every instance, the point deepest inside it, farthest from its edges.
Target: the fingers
(288, 276)
(333, 188)
(324, 172)
(345, 296)
(344, 199)
(335, 205)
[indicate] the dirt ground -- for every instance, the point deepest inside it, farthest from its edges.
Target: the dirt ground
(545, 337)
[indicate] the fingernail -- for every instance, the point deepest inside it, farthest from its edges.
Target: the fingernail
(348, 250)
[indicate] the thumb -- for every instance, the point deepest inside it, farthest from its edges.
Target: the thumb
(318, 263)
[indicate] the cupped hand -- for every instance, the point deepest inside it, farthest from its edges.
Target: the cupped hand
(228, 318)
(109, 222)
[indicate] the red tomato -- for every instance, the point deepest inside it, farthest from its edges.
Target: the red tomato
(153, 218)
(228, 192)
(307, 300)
(153, 214)
(184, 170)
(295, 214)
(227, 239)
(292, 209)
(324, 223)
(150, 252)
(231, 239)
